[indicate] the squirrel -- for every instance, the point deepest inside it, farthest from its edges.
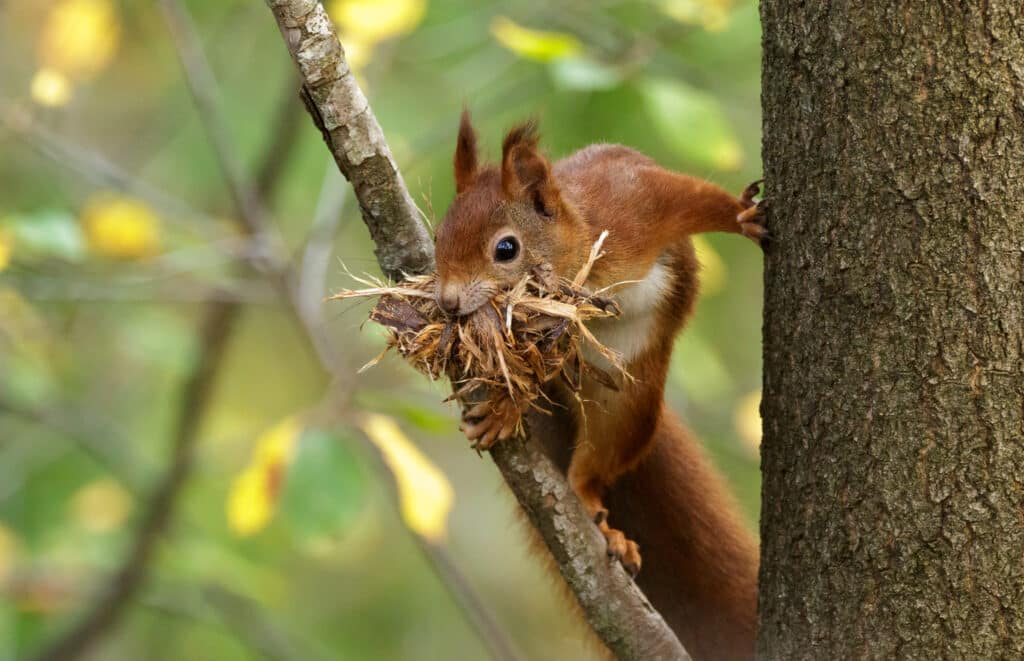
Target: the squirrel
(631, 462)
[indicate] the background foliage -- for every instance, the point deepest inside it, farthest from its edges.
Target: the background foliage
(115, 223)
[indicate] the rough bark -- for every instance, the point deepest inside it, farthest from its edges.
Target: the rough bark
(614, 606)
(893, 501)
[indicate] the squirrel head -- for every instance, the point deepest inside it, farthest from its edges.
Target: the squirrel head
(503, 222)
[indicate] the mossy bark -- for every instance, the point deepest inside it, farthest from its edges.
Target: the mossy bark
(893, 456)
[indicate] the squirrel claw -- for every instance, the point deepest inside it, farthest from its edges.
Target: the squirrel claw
(751, 221)
(485, 425)
(752, 190)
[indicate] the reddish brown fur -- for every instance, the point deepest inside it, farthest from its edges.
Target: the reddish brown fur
(699, 563)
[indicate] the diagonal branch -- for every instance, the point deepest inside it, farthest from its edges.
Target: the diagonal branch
(613, 605)
(343, 115)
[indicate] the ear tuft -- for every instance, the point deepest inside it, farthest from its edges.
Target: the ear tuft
(465, 154)
(525, 134)
(525, 171)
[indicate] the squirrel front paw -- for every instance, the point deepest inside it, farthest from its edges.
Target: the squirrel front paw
(487, 423)
(752, 218)
(620, 547)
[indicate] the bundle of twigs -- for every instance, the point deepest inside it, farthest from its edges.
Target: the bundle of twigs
(501, 356)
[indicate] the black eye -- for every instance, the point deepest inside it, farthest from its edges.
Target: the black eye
(507, 249)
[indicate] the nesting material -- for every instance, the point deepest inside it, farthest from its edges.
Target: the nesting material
(501, 356)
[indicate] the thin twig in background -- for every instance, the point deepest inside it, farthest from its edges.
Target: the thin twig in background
(255, 221)
(218, 320)
(615, 607)
(284, 133)
(93, 167)
(81, 427)
(203, 86)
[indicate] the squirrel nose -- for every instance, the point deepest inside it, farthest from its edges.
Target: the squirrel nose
(449, 301)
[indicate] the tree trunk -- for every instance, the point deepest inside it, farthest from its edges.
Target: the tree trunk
(893, 456)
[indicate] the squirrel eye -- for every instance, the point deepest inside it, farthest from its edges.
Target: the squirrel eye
(507, 249)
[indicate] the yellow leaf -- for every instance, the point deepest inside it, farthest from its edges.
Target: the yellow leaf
(80, 37)
(727, 155)
(424, 492)
(713, 271)
(6, 247)
(370, 21)
(119, 226)
(101, 506)
(747, 418)
(8, 552)
(534, 44)
(50, 88)
(712, 15)
(253, 497)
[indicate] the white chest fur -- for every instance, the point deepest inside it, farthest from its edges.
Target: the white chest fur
(629, 333)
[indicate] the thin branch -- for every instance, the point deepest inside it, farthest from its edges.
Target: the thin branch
(612, 603)
(92, 166)
(284, 137)
(344, 117)
(218, 320)
(79, 428)
(204, 92)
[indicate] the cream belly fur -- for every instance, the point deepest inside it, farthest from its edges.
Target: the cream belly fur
(629, 333)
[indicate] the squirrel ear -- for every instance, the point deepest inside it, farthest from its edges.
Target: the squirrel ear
(525, 172)
(465, 154)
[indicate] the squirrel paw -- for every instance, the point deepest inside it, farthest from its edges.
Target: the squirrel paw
(624, 550)
(752, 218)
(485, 423)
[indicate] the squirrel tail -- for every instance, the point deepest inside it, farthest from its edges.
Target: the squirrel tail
(700, 561)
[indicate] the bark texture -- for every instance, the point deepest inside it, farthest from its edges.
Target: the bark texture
(613, 605)
(893, 457)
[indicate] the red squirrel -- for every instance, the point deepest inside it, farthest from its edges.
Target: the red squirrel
(631, 462)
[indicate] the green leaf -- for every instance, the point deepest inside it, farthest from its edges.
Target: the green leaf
(47, 233)
(428, 420)
(325, 488)
(581, 73)
(692, 122)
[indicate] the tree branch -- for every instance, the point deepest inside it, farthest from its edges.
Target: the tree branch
(613, 605)
(344, 117)
(218, 319)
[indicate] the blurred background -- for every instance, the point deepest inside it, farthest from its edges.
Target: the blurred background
(324, 514)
